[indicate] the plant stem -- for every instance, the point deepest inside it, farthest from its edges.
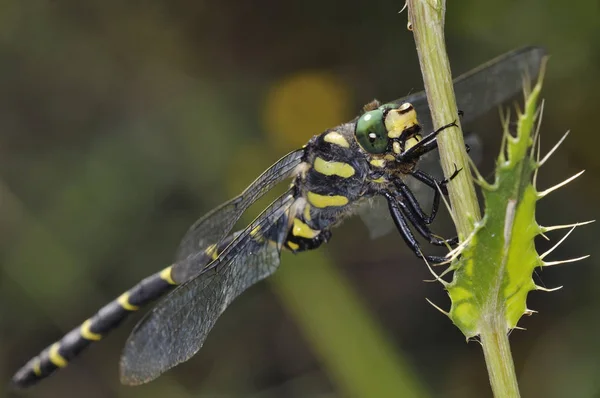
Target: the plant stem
(427, 18)
(498, 359)
(427, 21)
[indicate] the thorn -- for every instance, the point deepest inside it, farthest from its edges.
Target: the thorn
(438, 308)
(544, 236)
(452, 216)
(541, 162)
(529, 312)
(454, 253)
(403, 8)
(565, 182)
(537, 169)
(447, 271)
(571, 260)
(436, 276)
(539, 116)
(505, 122)
(479, 179)
(556, 227)
(536, 135)
(545, 289)
(518, 328)
(558, 243)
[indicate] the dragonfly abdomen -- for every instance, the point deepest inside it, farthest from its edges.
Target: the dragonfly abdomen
(59, 354)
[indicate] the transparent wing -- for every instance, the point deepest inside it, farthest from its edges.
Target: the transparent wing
(177, 327)
(486, 86)
(217, 224)
(477, 92)
(376, 217)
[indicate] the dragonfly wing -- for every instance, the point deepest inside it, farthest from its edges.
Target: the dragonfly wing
(217, 224)
(177, 327)
(486, 86)
(376, 217)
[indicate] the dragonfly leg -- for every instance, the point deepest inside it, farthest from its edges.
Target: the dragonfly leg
(400, 221)
(434, 184)
(427, 144)
(417, 217)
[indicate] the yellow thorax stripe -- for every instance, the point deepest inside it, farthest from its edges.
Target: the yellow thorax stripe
(306, 212)
(378, 162)
(86, 333)
(302, 230)
(333, 168)
(322, 201)
(55, 357)
(165, 275)
(293, 246)
(337, 139)
(123, 300)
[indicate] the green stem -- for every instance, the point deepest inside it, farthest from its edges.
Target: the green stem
(498, 359)
(427, 20)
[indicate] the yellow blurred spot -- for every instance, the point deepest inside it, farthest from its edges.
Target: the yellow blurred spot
(303, 105)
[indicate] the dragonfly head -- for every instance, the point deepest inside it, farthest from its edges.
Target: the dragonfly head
(389, 129)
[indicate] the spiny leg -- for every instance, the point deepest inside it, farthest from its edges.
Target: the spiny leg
(406, 233)
(427, 144)
(413, 213)
(434, 184)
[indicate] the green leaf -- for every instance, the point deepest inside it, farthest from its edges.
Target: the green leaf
(493, 274)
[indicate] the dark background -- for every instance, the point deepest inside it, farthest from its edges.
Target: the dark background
(123, 122)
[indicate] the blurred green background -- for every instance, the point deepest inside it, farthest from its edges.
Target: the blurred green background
(123, 122)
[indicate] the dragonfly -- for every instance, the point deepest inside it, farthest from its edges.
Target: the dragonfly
(376, 155)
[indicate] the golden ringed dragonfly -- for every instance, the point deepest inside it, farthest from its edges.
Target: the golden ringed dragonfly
(373, 155)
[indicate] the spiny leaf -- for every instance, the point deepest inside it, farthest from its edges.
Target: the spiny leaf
(493, 274)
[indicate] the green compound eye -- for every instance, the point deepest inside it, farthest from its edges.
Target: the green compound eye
(371, 133)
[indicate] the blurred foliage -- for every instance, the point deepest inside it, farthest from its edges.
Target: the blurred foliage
(122, 122)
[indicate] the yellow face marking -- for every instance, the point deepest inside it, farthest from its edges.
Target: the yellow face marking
(322, 201)
(302, 230)
(211, 251)
(87, 334)
(396, 121)
(337, 139)
(333, 168)
(55, 357)
(293, 245)
(37, 367)
(378, 162)
(165, 275)
(123, 300)
(379, 180)
(306, 212)
(412, 141)
(396, 147)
